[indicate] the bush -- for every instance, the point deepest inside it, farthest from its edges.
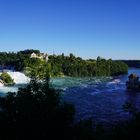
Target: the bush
(34, 112)
(6, 78)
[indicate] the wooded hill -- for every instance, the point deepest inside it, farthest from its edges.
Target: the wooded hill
(59, 65)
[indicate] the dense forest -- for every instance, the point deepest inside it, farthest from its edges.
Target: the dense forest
(15, 60)
(60, 65)
(76, 66)
(132, 63)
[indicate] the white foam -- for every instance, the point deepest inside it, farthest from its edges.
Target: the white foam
(116, 81)
(1, 85)
(5, 89)
(19, 78)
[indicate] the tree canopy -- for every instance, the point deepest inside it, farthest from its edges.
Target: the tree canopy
(60, 65)
(6, 78)
(77, 67)
(34, 112)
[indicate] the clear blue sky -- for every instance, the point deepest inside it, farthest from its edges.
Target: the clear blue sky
(87, 28)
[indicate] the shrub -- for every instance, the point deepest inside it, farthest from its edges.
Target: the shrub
(6, 78)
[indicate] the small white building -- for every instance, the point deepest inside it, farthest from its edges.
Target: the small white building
(40, 56)
(33, 55)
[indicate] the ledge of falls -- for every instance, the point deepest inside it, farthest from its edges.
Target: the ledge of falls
(19, 78)
(20, 81)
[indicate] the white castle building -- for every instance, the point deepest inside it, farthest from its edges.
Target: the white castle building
(40, 56)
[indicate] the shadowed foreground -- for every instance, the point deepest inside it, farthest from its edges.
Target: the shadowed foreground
(35, 112)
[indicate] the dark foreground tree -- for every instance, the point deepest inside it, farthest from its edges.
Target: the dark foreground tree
(34, 112)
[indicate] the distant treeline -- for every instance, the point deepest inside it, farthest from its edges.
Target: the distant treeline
(76, 66)
(59, 65)
(132, 63)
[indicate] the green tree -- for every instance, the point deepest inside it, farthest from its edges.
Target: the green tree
(6, 78)
(35, 112)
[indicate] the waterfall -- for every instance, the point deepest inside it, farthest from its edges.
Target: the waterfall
(19, 78)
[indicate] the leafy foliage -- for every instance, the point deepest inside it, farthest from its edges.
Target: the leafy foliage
(62, 65)
(6, 78)
(35, 67)
(132, 63)
(15, 60)
(34, 112)
(77, 67)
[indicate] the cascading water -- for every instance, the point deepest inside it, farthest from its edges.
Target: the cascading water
(19, 78)
(1, 85)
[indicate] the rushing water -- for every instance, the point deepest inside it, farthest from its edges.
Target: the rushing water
(20, 80)
(100, 99)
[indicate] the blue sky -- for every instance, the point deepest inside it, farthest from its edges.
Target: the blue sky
(87, 28)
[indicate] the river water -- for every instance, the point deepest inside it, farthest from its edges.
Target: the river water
(100, 99)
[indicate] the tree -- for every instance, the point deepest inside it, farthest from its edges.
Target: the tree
(35, 112)
(71, 56)
(6, 78)
(99, 58)
(62, 65)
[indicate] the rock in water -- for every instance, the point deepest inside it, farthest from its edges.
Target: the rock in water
(133, 83)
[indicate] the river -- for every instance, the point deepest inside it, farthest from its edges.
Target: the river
(100, 99)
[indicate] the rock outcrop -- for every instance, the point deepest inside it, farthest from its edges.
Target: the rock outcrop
(133, 83)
